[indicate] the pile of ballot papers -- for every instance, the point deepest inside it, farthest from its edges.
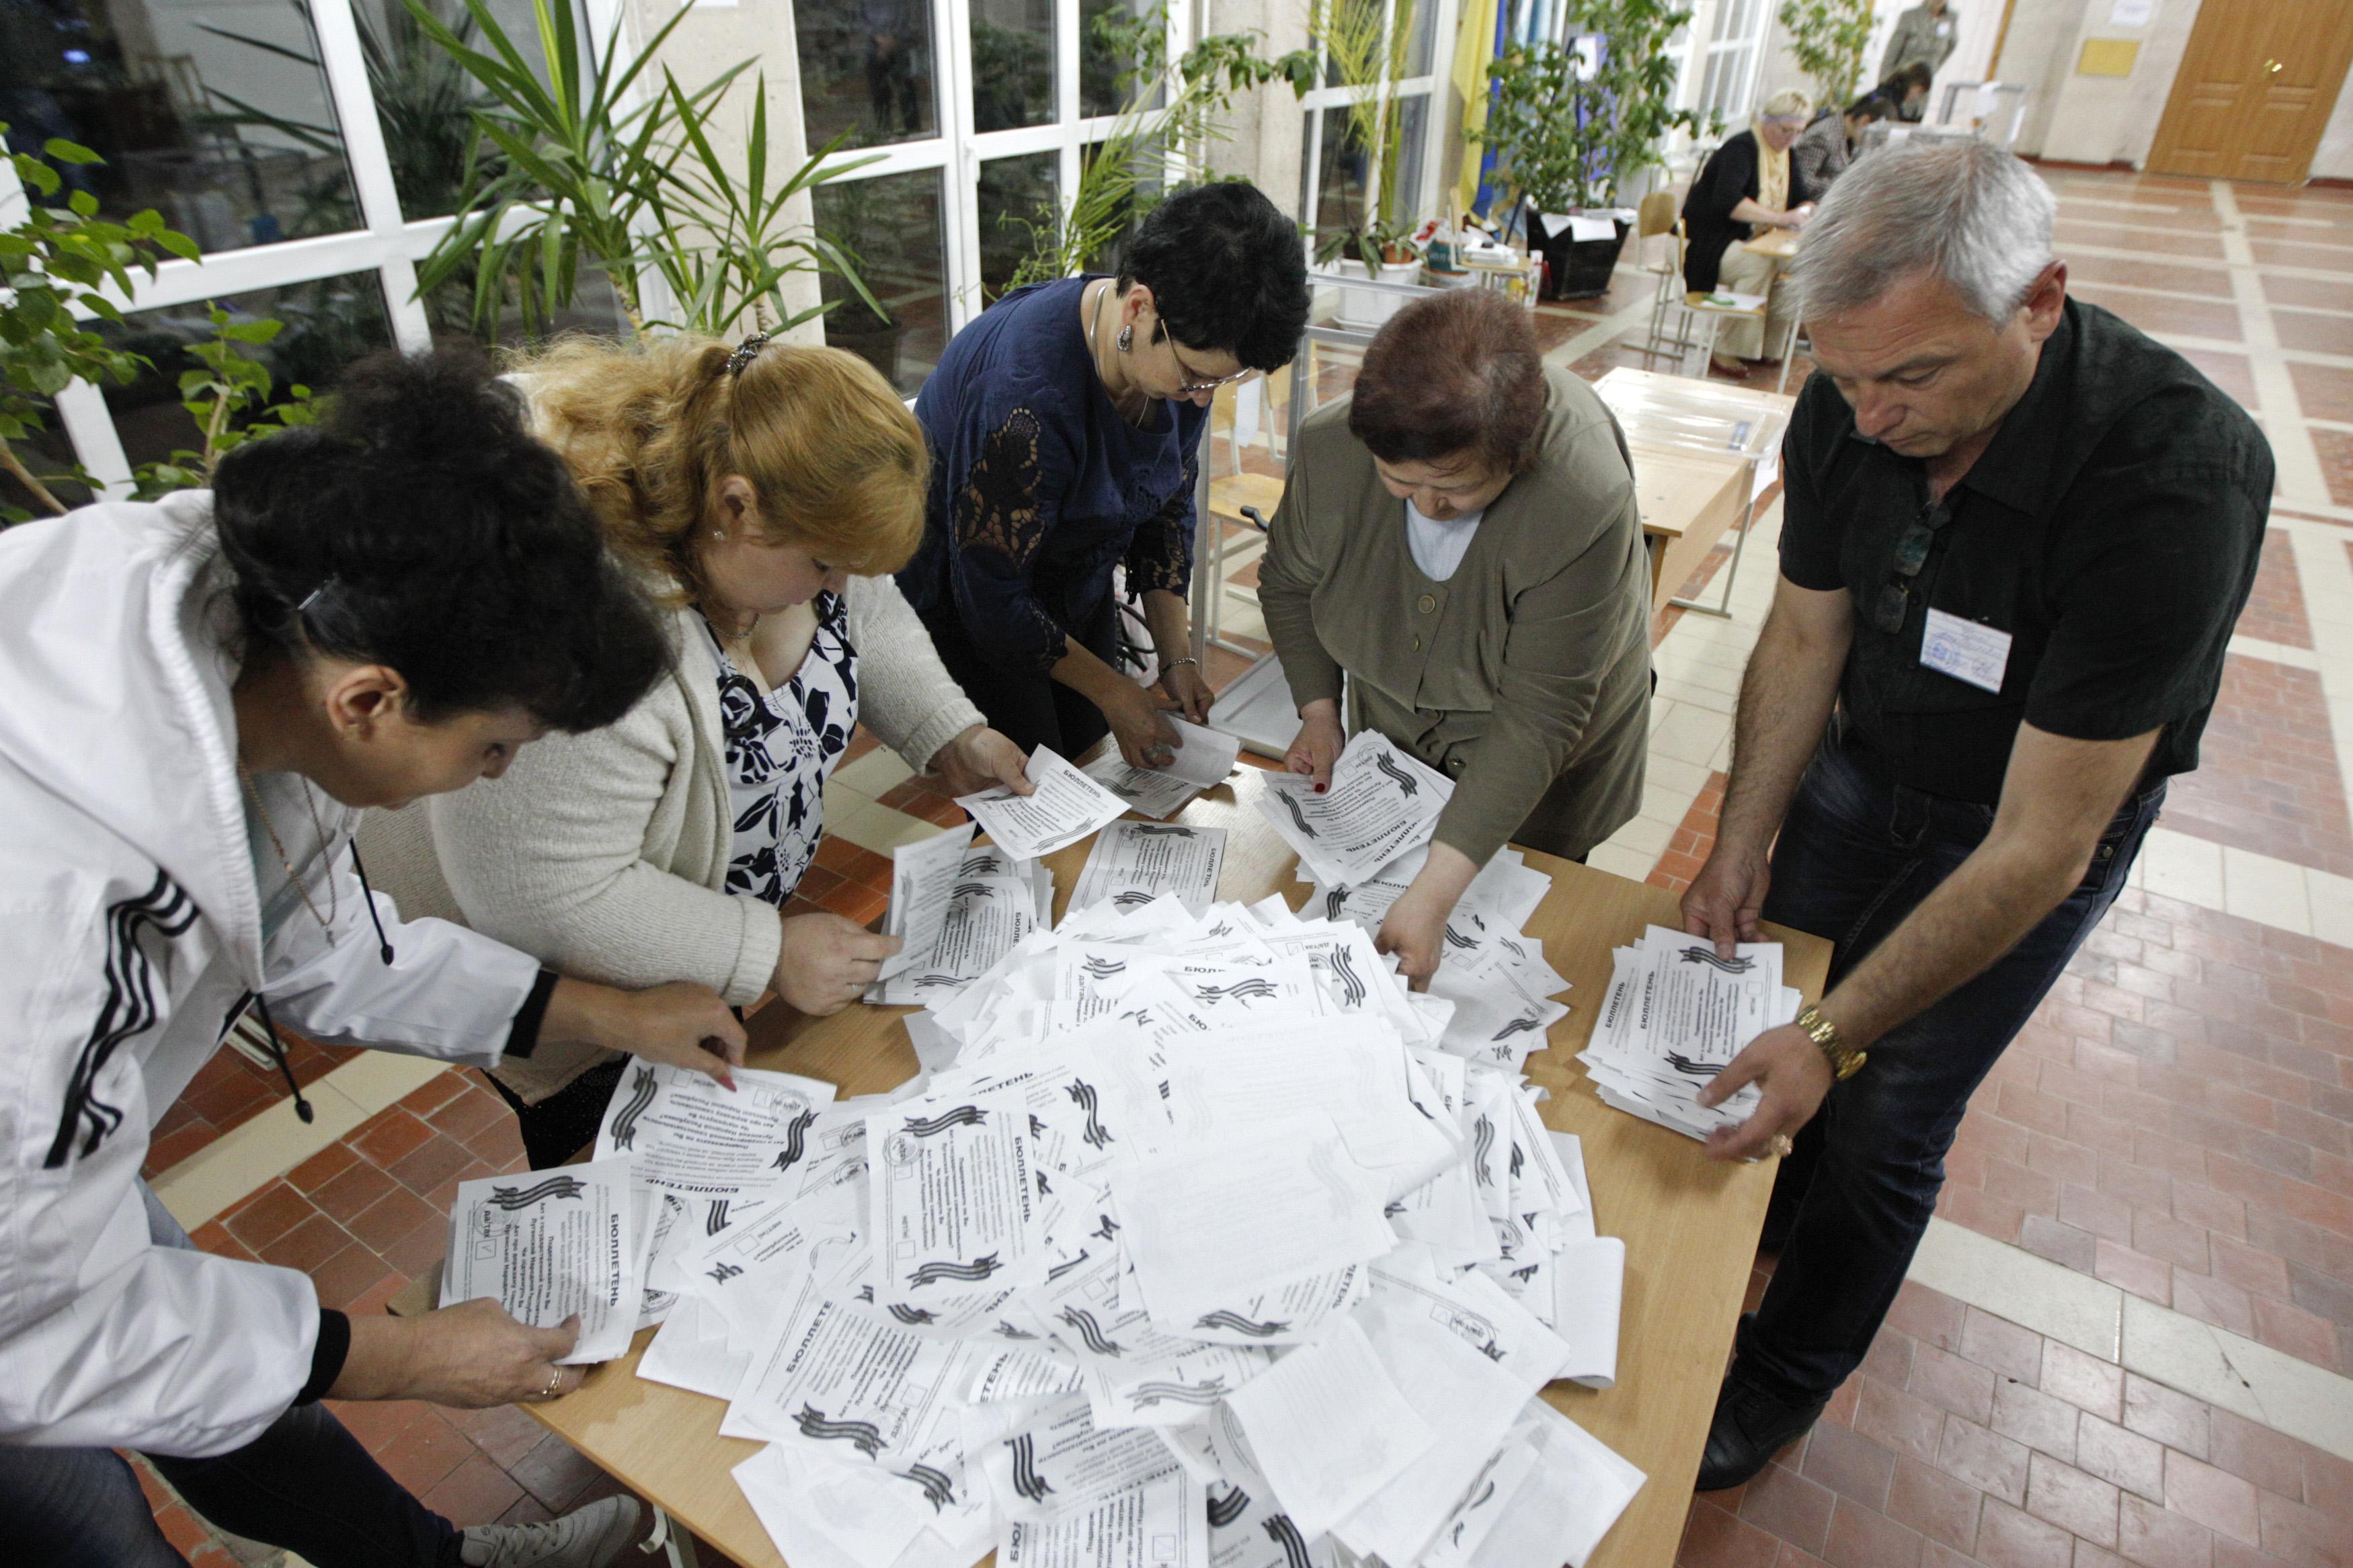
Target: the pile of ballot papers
(1199, 1242)
(1675, 1013)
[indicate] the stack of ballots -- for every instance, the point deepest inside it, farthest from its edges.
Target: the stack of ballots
(1200, 1242)
(1675, 1013)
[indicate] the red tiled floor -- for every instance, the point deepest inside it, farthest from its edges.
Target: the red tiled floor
(2267, 777)
(2274, 609)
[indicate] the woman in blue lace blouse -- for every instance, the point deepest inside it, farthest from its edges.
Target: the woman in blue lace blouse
(1063, 426)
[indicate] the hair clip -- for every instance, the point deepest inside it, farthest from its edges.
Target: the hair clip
(744, 353)
(310, 600)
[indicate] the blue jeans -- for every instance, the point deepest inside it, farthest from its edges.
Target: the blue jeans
(305, 1484)
(1856, 856)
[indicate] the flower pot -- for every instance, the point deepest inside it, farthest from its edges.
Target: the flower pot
(1575, 269)
(1365, 309)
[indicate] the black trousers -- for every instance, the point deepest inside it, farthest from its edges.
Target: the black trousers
(1029, 707)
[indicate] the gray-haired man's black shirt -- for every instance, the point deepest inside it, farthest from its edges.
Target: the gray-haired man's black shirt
(2110, 530)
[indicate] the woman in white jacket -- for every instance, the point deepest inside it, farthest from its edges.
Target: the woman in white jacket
(194, 696)
(767, 492)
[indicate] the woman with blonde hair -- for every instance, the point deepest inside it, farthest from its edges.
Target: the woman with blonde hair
(765, 494)
(1747, 186)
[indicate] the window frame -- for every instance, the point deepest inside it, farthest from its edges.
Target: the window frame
(1429, 87)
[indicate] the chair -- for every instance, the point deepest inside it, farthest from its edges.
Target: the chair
(1712, 308)
(1656, 216)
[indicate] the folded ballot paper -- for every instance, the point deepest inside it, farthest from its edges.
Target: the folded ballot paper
(958, 908)
(1675, 1013)
(1204, 759)
(1201, 1242)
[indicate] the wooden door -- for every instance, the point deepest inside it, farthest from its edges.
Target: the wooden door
(2255, 87)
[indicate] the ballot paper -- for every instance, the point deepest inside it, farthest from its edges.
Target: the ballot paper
(1569, 1497)
(958, 910)
(1675, 1015)
(1133, 863)
(1204, 759)
(546, 1245)
(1381, 803)
(688, 1134)
(954, 1201)
(1064, 807)
(826, 1513)
(1329, 1427)
(1159, 1523)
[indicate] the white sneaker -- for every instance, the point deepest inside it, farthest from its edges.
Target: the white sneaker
(587, 1537)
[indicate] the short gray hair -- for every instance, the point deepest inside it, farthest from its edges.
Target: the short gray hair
(1970, 214)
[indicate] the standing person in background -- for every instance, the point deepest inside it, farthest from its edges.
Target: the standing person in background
(765, 494)
(1924, 35)
(1064, 427)
(202, 692)
(1827, 146)
(1459, 539)
(1749, 185)
(2018, 534)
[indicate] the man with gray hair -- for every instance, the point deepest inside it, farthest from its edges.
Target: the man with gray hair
(2016, 534)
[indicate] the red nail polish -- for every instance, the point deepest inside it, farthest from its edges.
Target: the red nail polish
(1319, 789)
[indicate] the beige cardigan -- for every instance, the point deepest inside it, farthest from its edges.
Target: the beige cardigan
(1526, 675)
(605, 855)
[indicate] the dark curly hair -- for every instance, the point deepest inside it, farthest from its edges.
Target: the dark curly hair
(420, 525)
(1226, 270)
(1456, 372)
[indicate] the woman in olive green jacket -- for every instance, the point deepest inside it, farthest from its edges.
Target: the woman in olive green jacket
(1460, 539)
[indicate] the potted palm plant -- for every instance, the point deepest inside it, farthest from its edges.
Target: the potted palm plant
(1575, 129)
(1375, 243)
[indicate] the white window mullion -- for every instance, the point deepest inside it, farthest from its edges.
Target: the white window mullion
(1437, 197)
(960, 184)
(1069, 108)
(371, 165)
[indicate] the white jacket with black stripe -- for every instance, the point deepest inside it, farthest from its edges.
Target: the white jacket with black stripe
(133, 903)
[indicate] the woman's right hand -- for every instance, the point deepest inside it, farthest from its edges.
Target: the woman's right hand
(469, 1357)
(826, 963)
(1318, 743)
(1140, 725)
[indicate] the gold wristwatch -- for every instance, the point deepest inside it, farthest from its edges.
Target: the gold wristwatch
(1845, 1059)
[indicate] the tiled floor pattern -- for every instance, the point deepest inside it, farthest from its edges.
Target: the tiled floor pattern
(2174, 1122)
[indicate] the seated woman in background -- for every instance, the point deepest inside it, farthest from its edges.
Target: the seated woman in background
(1458, 538)
(1907, 90)
(767, 493)
(1747, 186)
(1063, 425)
(1825, 148)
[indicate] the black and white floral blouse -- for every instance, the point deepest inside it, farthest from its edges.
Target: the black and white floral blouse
(781, 744)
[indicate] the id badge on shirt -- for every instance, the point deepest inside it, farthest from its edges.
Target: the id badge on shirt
(1965, 650)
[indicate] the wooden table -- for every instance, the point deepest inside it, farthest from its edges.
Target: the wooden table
(1687, 498)
(1690, 1226)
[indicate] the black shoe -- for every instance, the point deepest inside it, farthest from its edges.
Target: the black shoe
(1749, 1428)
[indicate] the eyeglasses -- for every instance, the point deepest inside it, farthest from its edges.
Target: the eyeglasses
(1193, 384)
(1911, 554)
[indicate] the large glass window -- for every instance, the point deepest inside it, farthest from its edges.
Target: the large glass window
(891, 223)
(219, 119)
(1016, 201)
(1012, 64)
(328, 323)
(866, 70)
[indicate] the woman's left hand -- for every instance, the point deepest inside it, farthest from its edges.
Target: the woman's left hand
(981, 759)
(1415, 930)
(1187, 693)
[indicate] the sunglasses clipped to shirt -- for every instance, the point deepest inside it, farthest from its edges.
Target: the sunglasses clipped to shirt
(1912, 548)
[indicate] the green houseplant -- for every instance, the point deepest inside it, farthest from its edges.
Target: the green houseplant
(1167, 115)
(1574, 130)
(60, 270)
(1351, 32)
(1827, 38)
(599, 172)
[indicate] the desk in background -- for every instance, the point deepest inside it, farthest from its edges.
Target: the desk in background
(1690, 1224)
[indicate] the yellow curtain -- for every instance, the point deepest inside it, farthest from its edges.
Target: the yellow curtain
(1474, 46)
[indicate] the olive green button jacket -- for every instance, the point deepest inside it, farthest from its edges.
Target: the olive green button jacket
(1526, 675)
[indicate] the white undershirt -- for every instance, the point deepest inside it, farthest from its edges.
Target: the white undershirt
(1438, 546)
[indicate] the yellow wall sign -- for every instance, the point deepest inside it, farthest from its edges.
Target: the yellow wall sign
(2108, 57)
